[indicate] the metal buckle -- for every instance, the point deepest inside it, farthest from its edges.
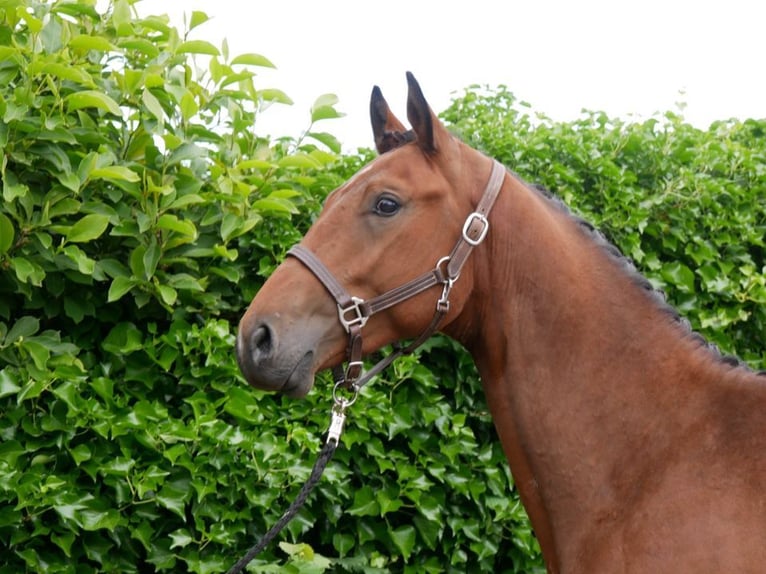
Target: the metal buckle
(469, 221)
(353, 365)
(358, 319)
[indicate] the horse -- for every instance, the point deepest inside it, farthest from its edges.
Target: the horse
(635, 446)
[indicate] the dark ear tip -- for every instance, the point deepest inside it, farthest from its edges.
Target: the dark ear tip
(412, 83)
(376, 92)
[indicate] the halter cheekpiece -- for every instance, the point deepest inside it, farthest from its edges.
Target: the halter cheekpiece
(353, 312)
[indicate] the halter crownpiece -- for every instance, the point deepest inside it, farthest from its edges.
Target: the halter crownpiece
(353, 312)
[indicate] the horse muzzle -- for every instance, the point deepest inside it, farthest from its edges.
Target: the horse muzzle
(271, 363)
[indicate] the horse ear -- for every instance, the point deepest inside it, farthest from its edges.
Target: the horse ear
(424, 122)
(387, 130)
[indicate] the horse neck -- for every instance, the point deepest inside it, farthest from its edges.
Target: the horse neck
(580, 364)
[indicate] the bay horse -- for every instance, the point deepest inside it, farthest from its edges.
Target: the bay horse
(634, 445)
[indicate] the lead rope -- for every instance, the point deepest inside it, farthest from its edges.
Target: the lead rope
(339, 407)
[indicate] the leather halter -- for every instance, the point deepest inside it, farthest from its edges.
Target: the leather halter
(354, 312)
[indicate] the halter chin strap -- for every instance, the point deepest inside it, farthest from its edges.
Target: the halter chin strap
(354, 312)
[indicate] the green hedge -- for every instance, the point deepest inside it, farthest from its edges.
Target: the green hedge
(141, 212)
(687, 205)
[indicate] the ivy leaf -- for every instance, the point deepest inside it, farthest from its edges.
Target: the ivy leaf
(404, 539)
(124, 338)
(24, 327)
(8, 386)
(174, 495)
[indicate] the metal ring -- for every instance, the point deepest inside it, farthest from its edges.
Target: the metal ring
(343, 402)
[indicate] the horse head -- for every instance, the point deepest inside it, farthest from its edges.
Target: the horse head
(395, 219)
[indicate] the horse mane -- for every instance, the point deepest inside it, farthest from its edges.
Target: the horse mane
(627, 265)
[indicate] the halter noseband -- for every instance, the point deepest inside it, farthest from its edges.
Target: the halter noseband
(354, 312)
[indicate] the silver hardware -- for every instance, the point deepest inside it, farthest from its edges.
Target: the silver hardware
(475, 216)
(351, 364)
(340, 402)
(442, 305)
(357, 319)
(336, 422)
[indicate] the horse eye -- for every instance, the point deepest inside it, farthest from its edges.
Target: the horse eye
(386, 206)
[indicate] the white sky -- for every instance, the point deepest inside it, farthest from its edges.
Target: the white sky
(622, 57)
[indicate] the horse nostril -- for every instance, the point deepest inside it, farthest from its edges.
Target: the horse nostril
(261, 340)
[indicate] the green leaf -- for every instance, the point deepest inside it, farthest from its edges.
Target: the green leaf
(197, 47)
(172, 223)
(180, 538)
(197, 18)
(107, 519)
(115, 172)
(253, 60)
(152, 104)
(24, 327)
(37, 351)
(275, 204)
(255, 164)
(12, 188)
(123, 338)
(7, 233)
(71, 73)
(404, 539)
(167, 294)
(11, 450)
(71, 181)
(189, 107)
(31, 390)
(121, 18)
(325, 113)
(8, 384)
(151, 258)
(88, 228)
(35, 25)
(300, 160)
(174, 495)
(93, 99)
(679, 275)
(85, 264)
(28, 271)
(325, 100)
(275, 96)
(327, 139)
(364, 503)
(88, 42)
(323, 108)
(119, 287)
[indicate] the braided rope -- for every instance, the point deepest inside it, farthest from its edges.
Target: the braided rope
(316, 473)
